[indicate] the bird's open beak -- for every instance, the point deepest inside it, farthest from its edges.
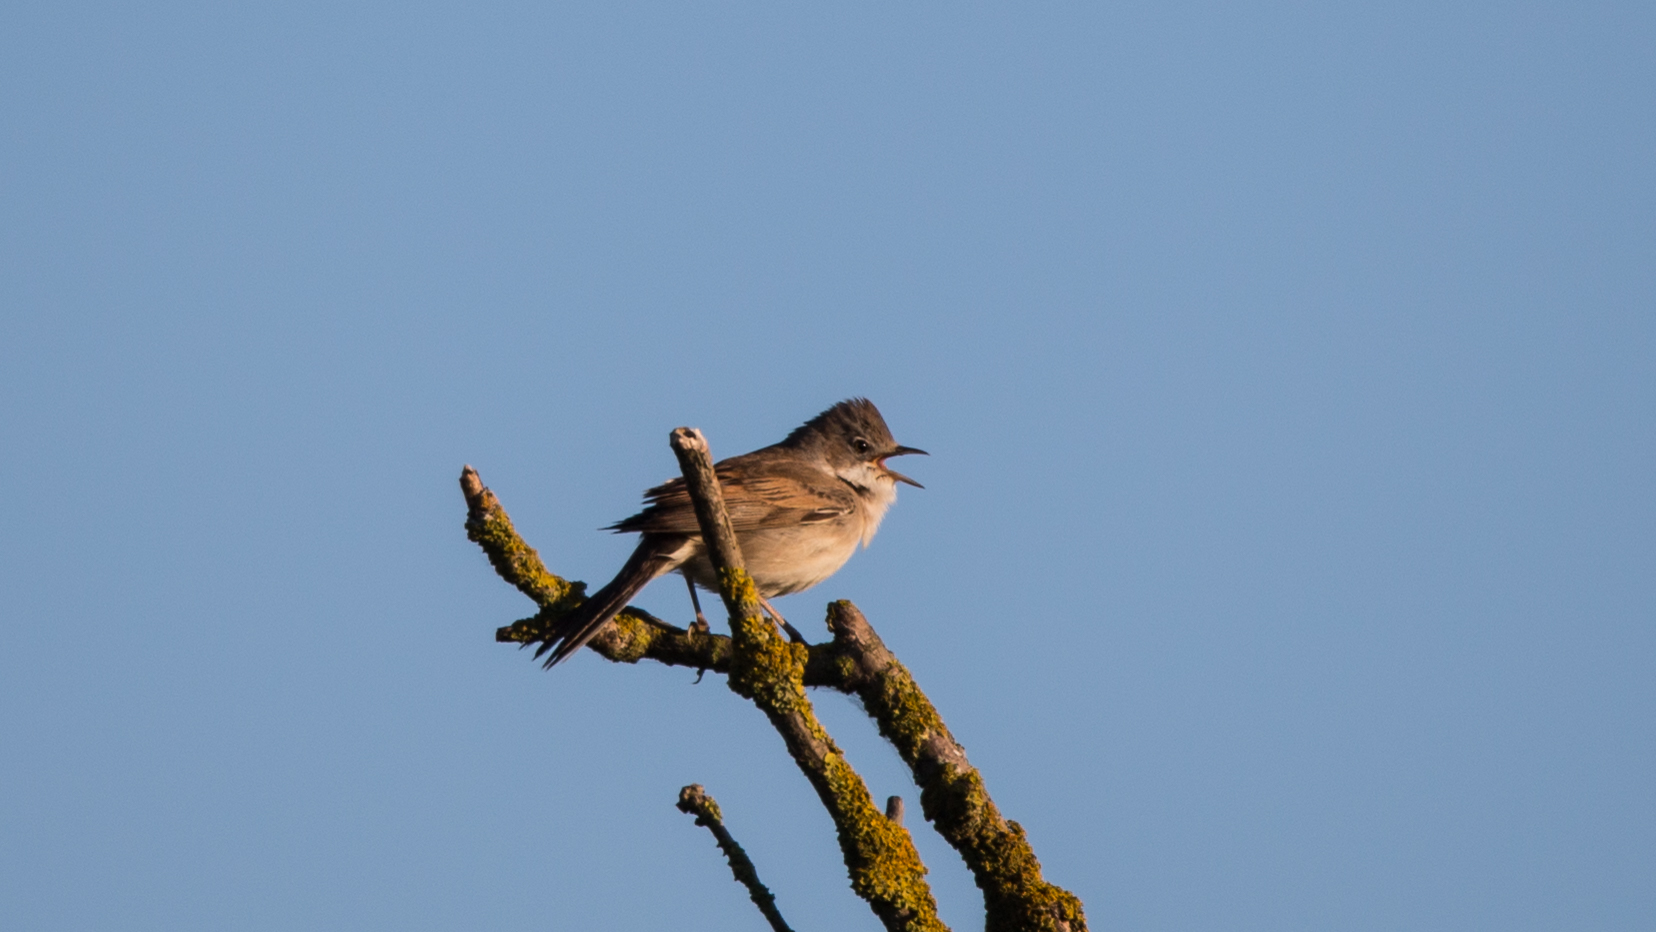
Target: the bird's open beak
(902, 478)
(902, 451)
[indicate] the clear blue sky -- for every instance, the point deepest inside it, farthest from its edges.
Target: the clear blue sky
(1288, 553)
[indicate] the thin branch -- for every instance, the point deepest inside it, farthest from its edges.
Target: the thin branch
(953, 797)
(634, 635)
(694, 800)
(885, 869)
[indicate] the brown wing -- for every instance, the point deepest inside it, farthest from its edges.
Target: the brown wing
(760, 491)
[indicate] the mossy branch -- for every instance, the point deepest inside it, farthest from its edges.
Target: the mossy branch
(953, 798)
(694, 800)
(635, 635)
(707, 498)
(885, 868)
(488, 527)
(952, 795)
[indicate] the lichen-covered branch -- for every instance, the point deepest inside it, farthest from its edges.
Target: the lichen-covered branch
(953, 798)
(635, 635)
(952, 795)
(885, 869)
(488, 527)
(696, 463)
(693, 800)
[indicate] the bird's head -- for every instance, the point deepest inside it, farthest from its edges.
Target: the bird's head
(853, 437)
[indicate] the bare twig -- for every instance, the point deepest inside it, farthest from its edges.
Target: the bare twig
(695, 801)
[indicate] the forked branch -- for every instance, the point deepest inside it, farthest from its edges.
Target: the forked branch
(953, 798)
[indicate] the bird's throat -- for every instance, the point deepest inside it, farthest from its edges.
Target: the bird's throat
(876, 491)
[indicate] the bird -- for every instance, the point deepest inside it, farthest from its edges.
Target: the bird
(800, 509)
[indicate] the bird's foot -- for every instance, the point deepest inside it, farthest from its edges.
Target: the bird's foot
(776, 616)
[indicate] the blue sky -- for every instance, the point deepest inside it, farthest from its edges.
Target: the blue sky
(1286, 559)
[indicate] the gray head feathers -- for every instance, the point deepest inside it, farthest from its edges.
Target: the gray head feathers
(853, 426)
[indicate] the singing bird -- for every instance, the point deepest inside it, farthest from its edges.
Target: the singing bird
(799, 509)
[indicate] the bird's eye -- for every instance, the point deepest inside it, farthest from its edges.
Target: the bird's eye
(861, 445)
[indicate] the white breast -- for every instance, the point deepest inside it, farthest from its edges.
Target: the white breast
(876, 492)
(791, 559)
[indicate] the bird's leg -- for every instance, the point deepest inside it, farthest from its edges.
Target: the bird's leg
(793, 633)
(700, 625)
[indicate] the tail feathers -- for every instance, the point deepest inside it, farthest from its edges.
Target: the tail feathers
(653, 557)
